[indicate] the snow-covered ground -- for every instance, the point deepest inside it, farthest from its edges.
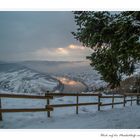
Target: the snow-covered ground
(88, 117)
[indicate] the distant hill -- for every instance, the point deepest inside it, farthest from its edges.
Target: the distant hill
(57, 67)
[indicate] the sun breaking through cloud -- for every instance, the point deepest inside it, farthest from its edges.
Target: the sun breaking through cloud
(71, 52)
(62, 51)
(72, 46)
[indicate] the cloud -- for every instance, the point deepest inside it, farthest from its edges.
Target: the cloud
(71, 52)
(62, 51)
(72, 46)
(23, 32)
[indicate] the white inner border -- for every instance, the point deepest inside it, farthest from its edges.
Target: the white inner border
(67, 5)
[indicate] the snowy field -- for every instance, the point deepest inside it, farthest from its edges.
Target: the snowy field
(66, 118)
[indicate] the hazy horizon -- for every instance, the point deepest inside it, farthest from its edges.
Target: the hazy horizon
(28, 60)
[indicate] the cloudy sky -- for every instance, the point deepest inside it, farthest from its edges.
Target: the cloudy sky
(39, 36)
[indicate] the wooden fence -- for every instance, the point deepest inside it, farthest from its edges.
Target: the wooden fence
(46, 108)
(132, 97)
(50, 107)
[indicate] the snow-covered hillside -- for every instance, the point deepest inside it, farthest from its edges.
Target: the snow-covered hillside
(36, 76)
(90, 78)
(26, 81)
(79, 70)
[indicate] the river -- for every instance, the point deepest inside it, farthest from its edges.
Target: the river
(72, 86)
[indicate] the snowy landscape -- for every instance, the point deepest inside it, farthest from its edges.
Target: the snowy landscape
(79, 71)
(36, 77)
(70, 69)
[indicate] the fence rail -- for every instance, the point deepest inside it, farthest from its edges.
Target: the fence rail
(27, 110)
(111, 96)
(26, 96)
(69, 105)
(71, 94)
(108, 104)
(50, 107)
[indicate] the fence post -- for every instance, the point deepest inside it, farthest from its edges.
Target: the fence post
(99, 101)
(0, 112)
(113, 101)
(124, 101)
(48, 103)
(138, 101)
(77, 101)
(131, 100)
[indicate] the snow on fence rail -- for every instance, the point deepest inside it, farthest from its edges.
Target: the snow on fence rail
(26, 96)
(50, 107)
